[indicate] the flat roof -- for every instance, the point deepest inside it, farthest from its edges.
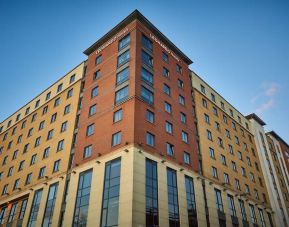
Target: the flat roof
(256, 118)
(274, 134)
(136, 15)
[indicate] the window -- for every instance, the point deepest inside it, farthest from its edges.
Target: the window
(222, 105)
(252, 214)
(72, 79)
(63, 126)
(110, 202)
(231, 113)
(23, 124)
(213, 98)
(16, 184)
(22, 209)
(27, 110)
(21, 166)
(57, 102)
(82, 199)
(34, 208)
(231, 204)
(215, 111)
(69, 93)
(147, 59)
(150, 139)
(96, 75)
(116, 139)
(227, 134)
(237, 140)
(169, 127)
(167, 89)
(41, 125)
(214, 172)
(205, 104)
(9, 145)
(203, 89)
(60, 145)
(170, 149)
(226, 178)
(92, 110)
(4, 192)
(212, 153)
(181, 100)
(247, 189)
(14, 130)
(53, 118)
(187, 158)
(220, 142)
(59, 88)
(123, 58)
(207, 118)
(240, 155)
(180, 83)
(147, 95)
(14, 154)
(256, 193)
(10, 171)
(166, 72)
(3, 215)
(87, 151)
(121, 95)
(147, 43)
(37, 141)
(249, 161)
(50, 134)
(152, 212)
(33, 159)
(122, 76)
(173, 203)
(191, 202)
(50, 203)
(26, 148)
(209, 135)
(12, 212)
(231, 150)
(56, 166)
(90, 130)
(179, 69)
(234, 166)
(42, 172)
(46, 152)
(237, 184)
(243, 171)
(98, 59)
(262, 217)
(124, 42)
(150, 116)
(223, 160)
(183, 118)
(217, 126)
(219, 201)
(67, 109)
(147, 76)
(37, 103)
(225, 119)
(94, 92)
(168, 107)
(34, 117)
(165, 57)
(185, 137)
(117, 115)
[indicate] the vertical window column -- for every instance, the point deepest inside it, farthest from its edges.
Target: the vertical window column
(173, 203)
(48, 214)
(34, 208)
(191, 202)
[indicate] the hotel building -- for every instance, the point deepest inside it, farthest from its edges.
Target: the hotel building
(123, 140)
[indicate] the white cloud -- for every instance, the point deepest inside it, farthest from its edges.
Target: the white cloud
(266, 98)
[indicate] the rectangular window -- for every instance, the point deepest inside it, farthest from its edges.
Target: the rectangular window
(185, 137)
(50, 134)
(207, 118)
(243, 210)
(170, 149)
(147, 43)
(179, 69)
(117, 115)
(209, 135)
(180, 83)
(212, 153)
(90, 130)
(169, 127)
(72, 79)
(231, 205)
(150, 116)
(168, 107)
(92, 110)
(219, 201)
(147, 76)
(57, 102)
(166, 72)
(121, 95)
(56, 166)
(173, 203)
(67, 109)
(183, 118)
(60, 145)
(116, 139)
(147, 59)
(147, 95)
(94, 92)
(46, 152)
(191, 202)
(122, 76)
(166, 89)
(262, 218)
(98, 59)
(41, 172)
(187, 159)
(214, 172)
(152, 212)
(34, 208)
(82, 199)
(123, 58)
(50, 203)
(53, 117)
(252, 214)
(3, 215)
(165, 57)
(22, 210)
(150, 139)
(124, 42)
(110, 202)
(69, 93)
(87, 151)
(28, 178)
(181, 100)
(41, 125)
(63, 126)
(59, 87)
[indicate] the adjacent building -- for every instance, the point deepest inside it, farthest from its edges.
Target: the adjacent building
(133, 137)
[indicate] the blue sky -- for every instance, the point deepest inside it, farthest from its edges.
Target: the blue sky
(241, 48)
